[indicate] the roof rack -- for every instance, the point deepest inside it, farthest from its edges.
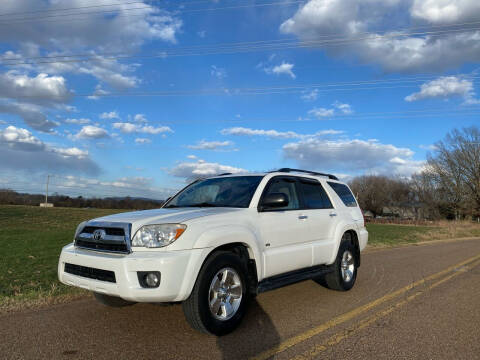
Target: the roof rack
(287, 170)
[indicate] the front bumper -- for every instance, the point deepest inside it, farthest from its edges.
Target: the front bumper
(178, 271)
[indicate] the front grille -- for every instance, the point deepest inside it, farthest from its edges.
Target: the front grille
(120, 247)
(114, 237)
(108, 230)
(91, 273)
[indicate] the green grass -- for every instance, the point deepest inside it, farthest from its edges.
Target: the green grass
(31, 239)
(386, 234)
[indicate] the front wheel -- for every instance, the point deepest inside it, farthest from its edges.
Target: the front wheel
(344, 269)
(218, 300)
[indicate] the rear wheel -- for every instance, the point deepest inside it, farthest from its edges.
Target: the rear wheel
(218, 300)
(344, 269)
(112, 301)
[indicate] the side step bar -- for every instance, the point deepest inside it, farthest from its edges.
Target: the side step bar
(292, 277)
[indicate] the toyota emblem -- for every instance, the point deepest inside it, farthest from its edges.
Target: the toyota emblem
(99, 234)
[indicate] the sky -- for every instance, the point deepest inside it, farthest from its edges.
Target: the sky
(125, 97)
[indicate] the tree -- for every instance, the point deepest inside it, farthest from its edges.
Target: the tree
(455, 164)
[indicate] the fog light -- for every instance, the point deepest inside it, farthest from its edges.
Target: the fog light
(149, 279)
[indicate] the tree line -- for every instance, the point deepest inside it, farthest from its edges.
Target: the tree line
(11, 197)
(448, 187)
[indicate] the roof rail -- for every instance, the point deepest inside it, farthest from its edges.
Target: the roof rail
(223, 174)
(287, 170)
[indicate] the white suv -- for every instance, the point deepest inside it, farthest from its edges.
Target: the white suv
(218, 242)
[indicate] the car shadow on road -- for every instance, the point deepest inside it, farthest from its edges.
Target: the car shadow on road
(256, 334)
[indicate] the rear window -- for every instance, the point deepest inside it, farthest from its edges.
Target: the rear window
(344, 193)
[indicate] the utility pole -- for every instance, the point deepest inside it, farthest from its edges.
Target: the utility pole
(46, 204)
(46, 193)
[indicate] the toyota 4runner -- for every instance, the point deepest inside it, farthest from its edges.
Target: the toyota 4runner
(219, 241)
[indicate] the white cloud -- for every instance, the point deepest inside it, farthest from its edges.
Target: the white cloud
(212, 145)
(343, 108)
(120, 31)
(20, 150)
(32, 114)
(21, 139)
(283, 69)
(81, 121)
(241, 131)
(321, 112)
(71, 152)
(91, 132)
(311, 95)
(140, 118)
(142, 141)
(219, 73)
(41, 88)
(445, 11)
(352, 156)
(129, 128)
(444, 87)
(98, 93)
(392, 50)
(30, 96)
(337, 108)
(201, 168)
(110, 115)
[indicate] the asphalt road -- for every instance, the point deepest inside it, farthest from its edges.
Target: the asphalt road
(416, 302)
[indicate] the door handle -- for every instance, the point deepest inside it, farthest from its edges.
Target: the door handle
(333, 214)
(302, 217)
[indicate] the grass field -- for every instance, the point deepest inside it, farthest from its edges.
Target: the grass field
(30, 242)
(31, 239)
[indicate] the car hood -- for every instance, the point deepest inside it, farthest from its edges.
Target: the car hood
(163, 216)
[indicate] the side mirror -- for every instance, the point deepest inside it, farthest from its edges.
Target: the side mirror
(274, 201)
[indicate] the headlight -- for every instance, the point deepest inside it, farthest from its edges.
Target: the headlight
(153, 236)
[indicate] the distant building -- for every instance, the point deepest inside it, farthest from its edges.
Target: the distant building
(46, 205)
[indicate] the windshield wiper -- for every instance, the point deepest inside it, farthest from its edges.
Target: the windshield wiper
(205, 204)
(170, 206)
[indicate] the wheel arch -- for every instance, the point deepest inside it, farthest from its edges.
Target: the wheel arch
(347, 228)
(239, 240)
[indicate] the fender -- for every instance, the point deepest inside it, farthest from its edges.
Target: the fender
(228, 234)
(215, 237)
(341, 228)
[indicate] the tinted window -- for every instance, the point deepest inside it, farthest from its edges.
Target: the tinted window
(344, 193)
(232, 191)
(287, 187)
(314, 197)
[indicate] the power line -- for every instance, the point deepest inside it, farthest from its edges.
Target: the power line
(74, 8)
(231, 48)
(108, 5)
(122, 10)
(320, 87)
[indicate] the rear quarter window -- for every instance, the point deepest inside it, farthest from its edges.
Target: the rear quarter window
(343, 193)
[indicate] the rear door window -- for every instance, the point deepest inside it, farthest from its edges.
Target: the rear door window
(314, 196)
(344, 193)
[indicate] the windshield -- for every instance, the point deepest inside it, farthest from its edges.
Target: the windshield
(218, 192)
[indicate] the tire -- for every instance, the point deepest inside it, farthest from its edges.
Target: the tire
(343, 280)
(111, 301)
(212, 287)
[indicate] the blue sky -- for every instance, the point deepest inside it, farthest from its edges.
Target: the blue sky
(165, 91)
